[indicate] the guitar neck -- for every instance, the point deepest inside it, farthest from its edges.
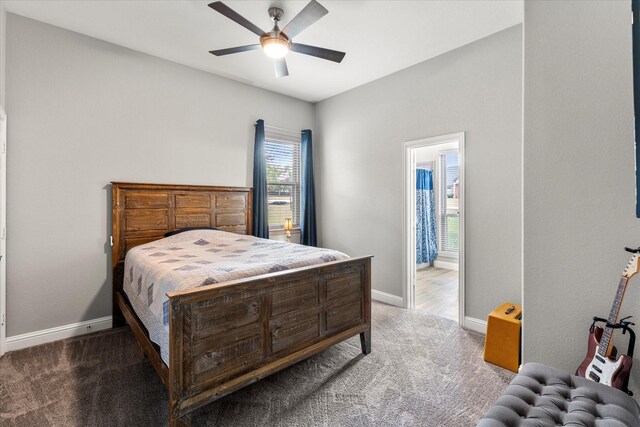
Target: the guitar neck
(605, 341)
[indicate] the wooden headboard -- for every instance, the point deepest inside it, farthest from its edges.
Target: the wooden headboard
(143, 213)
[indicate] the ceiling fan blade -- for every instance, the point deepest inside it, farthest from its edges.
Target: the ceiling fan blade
(218, 6)
(320, 52)
(230, 50)
(307, 16)
(280, 66)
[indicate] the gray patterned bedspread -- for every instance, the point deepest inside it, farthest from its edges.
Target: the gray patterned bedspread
(199, 258)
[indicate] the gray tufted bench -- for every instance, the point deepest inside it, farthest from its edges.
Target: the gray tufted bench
(541, 396)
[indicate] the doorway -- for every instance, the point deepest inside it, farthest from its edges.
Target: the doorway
(434, 226)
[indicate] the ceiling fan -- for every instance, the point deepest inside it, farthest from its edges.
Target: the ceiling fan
(277, 43)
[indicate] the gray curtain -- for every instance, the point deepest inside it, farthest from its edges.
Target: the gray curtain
(260, 206)
(308, 218)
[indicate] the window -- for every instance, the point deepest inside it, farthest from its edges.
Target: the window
(449, 204)
(283, 178)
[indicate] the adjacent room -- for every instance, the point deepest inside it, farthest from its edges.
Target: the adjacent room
(319, 213)
(437, 206)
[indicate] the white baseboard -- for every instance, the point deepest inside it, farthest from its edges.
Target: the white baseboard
(447, 265)
(30, 339)
(387, 298)
(476, 325)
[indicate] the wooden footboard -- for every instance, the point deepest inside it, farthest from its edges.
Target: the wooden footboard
(226, 336)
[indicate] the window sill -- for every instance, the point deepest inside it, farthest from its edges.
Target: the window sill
(449, 255)
(281, 232)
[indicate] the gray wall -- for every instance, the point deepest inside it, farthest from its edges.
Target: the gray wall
(476, 89)
(579, 182)
(83, 113)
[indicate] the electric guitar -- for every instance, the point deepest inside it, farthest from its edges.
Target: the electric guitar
(601, 365)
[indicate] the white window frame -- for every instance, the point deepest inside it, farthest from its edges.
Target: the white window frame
(285, 136)
(442, 196)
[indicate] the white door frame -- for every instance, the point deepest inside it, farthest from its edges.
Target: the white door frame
(409, 218)
(3, 184)
(3, 233)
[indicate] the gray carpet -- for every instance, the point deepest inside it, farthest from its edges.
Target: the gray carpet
(423, 371)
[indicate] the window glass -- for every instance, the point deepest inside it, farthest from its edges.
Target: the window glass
(449, 203)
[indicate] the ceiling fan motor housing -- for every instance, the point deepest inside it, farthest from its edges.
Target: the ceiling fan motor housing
(275, 37)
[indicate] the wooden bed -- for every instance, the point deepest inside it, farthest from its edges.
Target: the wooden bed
(228, 335)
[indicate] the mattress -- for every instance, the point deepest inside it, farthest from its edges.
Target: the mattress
(199, 258)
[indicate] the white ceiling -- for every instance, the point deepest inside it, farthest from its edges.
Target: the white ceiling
(380, 37)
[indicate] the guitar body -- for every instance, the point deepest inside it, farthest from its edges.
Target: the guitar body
(607, 371)
(601, 365)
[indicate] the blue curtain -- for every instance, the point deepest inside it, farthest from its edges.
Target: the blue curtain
(426, 242)
(260, 206)
(308, 218)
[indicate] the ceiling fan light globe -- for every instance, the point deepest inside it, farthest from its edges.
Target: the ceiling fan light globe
(275, 48)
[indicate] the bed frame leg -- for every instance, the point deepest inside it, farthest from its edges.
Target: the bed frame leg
(365, 341)
(183, 421)
(117, 318)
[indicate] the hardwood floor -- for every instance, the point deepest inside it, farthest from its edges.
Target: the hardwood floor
(437, 292)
